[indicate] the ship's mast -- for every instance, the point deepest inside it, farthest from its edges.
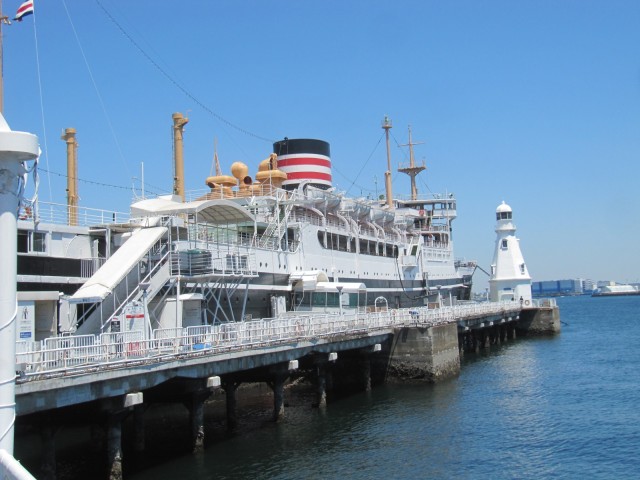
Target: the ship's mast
(179, 121)
(386, 126)
(412, 170)
(69, 137)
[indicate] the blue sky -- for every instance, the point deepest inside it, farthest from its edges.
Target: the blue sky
(533, 102)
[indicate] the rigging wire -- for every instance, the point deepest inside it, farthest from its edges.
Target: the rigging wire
(95, 86)
(44, 128)
(176, 83)
(100, 184)
(364, 164)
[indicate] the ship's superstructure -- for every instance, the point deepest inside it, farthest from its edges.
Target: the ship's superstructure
(256, 246)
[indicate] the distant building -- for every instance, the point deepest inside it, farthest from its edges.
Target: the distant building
(551, 288)
(588, 286)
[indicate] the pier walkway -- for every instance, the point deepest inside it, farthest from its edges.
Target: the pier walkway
(63, 371)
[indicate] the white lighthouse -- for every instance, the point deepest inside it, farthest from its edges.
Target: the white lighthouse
(510, 278)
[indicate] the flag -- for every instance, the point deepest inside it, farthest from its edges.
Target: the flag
(26, 8)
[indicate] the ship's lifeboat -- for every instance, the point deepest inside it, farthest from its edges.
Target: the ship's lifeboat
(363, 208)
(381, 217)
(322, 198)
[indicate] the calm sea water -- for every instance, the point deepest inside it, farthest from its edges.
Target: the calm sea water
(563, 407)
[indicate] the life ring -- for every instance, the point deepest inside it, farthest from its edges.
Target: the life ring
(526, 302)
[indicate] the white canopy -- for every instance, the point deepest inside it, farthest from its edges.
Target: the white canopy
(219, 211)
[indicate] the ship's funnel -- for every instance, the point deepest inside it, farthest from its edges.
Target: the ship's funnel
(304, 159)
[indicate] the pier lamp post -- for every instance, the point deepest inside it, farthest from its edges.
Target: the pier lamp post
(16, 148)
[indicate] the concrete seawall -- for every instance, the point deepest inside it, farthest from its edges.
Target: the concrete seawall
(539, 321)
(433, 353)
(430, 354)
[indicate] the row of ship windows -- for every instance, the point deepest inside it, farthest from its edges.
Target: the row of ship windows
(367, 247)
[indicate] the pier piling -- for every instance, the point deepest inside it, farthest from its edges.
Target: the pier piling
(47, 435)
(138, 428)
(279, 374)
(230, 387)
(196, 414)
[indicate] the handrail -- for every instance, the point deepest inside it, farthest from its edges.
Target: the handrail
(118, 311)
(89, 353)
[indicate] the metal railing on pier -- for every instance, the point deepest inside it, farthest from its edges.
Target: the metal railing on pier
(80, 354)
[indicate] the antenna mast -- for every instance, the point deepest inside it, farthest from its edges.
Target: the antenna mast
(412, 170)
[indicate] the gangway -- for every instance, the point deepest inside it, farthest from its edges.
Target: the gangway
(119, 278)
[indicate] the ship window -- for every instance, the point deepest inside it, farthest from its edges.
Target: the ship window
(38, 242)
(23, 241)
(504, 244)
(522, 268)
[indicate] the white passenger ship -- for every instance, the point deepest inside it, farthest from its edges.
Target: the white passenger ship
(252, 247)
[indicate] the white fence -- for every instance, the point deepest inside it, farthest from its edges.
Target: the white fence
(55, 355)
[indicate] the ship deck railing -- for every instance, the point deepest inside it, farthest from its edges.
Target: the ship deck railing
(58, 213)
(89, 353)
